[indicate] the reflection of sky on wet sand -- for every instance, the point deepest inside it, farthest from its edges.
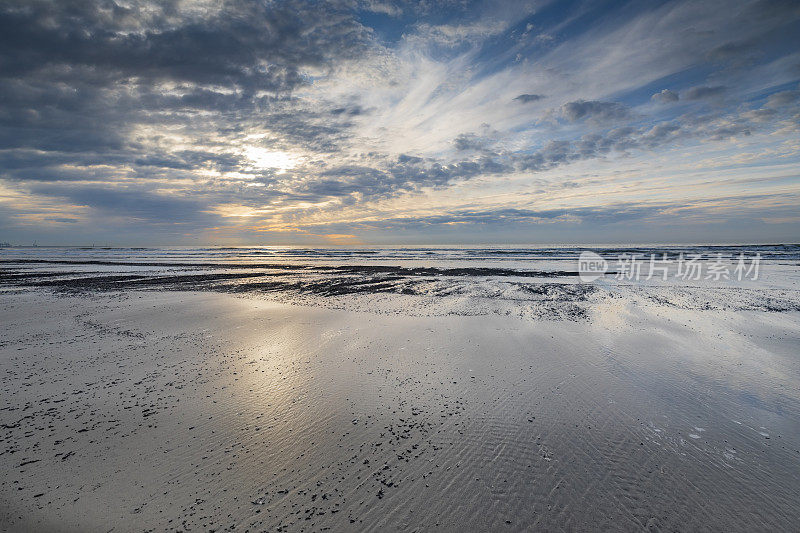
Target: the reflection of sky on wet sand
(336, 415)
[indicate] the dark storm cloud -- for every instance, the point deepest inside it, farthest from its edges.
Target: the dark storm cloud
(247, 44)
(80, 77)
(39, 114)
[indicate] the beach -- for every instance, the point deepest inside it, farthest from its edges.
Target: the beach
(156, 409)
(181, 404)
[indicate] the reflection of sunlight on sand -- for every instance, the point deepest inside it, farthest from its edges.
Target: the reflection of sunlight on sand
(273, 367)
(610, 313)
(290, 378)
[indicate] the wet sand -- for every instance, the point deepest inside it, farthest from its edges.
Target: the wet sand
(167, 410)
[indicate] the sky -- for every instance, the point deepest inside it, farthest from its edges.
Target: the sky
(199, 122)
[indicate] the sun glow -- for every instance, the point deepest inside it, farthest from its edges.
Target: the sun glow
(263, 158)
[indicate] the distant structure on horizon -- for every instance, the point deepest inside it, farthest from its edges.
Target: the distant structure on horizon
(5, 245)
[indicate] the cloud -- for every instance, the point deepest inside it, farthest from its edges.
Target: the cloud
(469, 141)
(594, 111)
(391, 9)
(453, 35)
(704, 92)
(665, 96)
(250, 45)
(528, 98)
(783, 98)
(147, 110)
(130, 203)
